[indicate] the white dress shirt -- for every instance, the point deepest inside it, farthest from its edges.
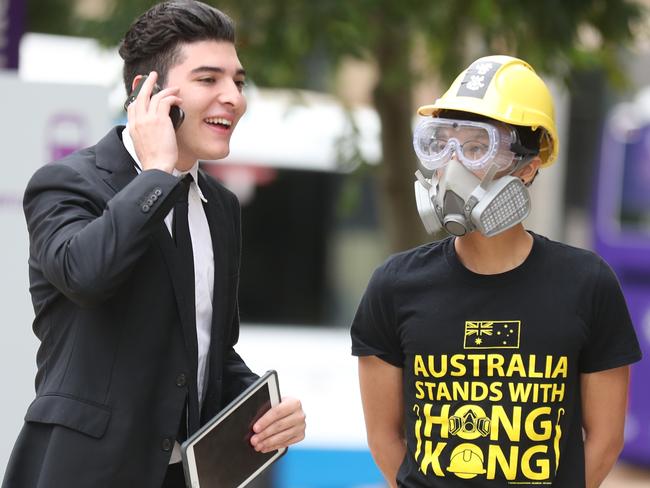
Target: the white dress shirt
(203, 268)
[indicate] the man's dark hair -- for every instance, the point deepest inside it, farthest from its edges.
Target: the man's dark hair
(153, 41)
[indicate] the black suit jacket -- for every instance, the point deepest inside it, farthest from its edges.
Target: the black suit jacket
(118, 355)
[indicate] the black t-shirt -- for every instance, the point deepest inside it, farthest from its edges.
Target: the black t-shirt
(492, 363)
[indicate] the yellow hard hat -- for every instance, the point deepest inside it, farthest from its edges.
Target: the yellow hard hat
(506, 89)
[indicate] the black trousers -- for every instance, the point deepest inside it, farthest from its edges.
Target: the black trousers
(174, 478)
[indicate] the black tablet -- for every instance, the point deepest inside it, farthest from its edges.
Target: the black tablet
(220, 455)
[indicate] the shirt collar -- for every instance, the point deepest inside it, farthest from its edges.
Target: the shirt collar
(194, 170)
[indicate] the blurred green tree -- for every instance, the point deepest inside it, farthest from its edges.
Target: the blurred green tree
(301, 43)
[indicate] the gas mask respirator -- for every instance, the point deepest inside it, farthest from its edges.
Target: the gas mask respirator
(474, 190)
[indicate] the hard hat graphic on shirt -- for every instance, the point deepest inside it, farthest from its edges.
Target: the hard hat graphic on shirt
(466, 461)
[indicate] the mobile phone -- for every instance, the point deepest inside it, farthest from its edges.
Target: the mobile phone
(175, 112)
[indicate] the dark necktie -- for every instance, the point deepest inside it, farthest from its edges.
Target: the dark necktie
(183, 240)
(182, 236)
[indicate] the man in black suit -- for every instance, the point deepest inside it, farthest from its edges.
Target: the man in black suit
(135, 295)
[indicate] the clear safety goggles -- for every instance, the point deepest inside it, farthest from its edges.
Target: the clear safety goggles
(477, 145)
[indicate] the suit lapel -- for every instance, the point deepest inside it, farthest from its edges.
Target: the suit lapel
(117, 165)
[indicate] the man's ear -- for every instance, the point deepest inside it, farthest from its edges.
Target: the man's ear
(136, 81)
(528, 172)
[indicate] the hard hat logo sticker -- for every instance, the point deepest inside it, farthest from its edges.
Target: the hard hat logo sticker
(476, 83)
(477, 79)
(483, 68)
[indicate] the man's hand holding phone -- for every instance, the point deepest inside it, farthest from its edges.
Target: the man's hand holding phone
(150, 125)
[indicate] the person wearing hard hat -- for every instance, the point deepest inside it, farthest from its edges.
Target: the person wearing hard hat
(483, 356)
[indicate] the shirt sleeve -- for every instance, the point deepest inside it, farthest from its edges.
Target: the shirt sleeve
(374, 328)
(612, 340)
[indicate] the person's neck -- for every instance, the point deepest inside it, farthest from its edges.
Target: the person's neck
(185, 164)
(493, 255)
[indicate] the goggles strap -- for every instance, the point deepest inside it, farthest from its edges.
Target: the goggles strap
(518, 148)
(523, 155)
(522, 160)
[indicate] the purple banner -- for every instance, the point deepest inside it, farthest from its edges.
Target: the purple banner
(12, 26)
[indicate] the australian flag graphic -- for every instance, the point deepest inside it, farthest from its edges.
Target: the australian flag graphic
(492, 334)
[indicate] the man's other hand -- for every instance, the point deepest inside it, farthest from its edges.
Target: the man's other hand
(281, 426)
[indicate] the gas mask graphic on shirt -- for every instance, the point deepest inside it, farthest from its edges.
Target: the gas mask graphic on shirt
(460, 202)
